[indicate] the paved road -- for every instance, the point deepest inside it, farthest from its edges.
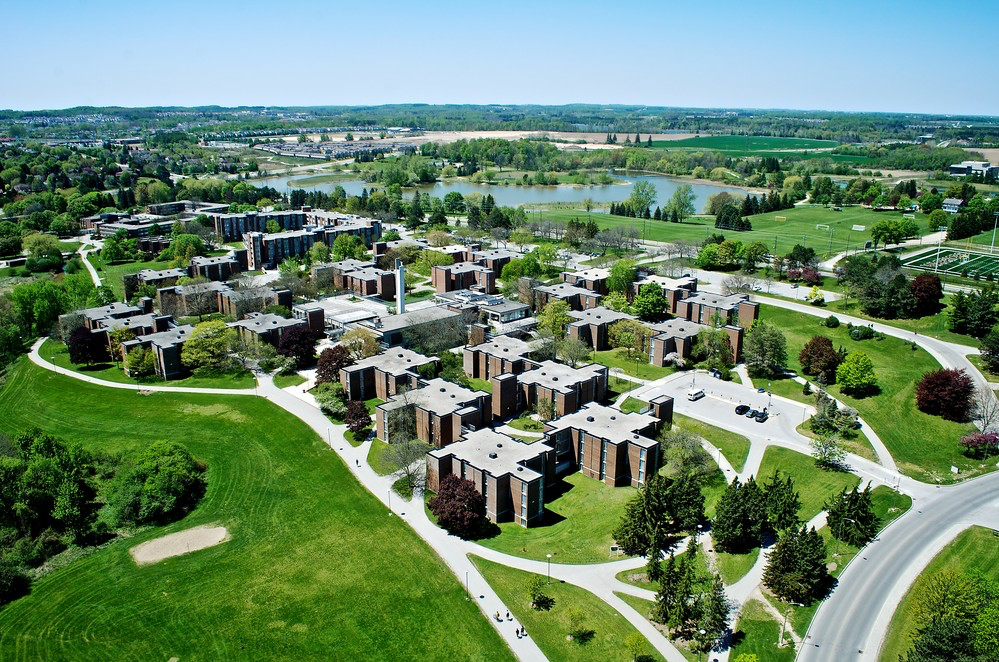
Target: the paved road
(853, 622)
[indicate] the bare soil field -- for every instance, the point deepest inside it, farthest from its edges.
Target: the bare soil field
(593, 140)
(176, 544)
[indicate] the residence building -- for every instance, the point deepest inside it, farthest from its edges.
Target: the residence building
(166, 346)
(463, 276)
(591, 325)
(442, 411)
(265, 327)
(952, 205)
(566, 389)
(384, 375)
(578, 298)
(594, 280)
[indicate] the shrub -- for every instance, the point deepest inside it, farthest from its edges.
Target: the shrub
(980, 443)
(832, 322)
(946, 393)
(13, 582)
(164, 484)
(861, 333)
(332, 399)
(458, 506)
(856, 374)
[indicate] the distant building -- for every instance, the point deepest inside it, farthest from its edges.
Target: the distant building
(392, 329)
(463, 276)
(232, 227)
(952, 205)
(982, 169)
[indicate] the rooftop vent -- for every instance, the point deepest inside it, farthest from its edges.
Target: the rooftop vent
(443, 389)
(613, 418)
(520, 468)
(554, 379)
(589, 419)
(499, 445)
(493, 456)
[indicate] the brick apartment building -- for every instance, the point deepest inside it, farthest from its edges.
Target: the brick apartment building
(265, 327)
(592, 325)
(567, 388)
(594, 280)
(578, 298)
(384, 375)
(442, 411)
(463, 276)
(166, 346)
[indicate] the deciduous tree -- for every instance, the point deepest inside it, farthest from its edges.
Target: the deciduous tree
(946, 393)
(765, 351)
(458, 506)
(856, 374)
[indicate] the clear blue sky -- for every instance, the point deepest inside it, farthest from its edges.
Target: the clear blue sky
(877, 55)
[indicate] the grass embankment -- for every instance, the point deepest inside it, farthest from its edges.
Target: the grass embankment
(933, 326)
(756, 633)
(733, 446)
(733, 567)
(111, 274)
(814, 485)
(974, 549)
(618, 359)
(924, 446)
(284, 381)
(288, 585)
(549, 628)
(55, 352)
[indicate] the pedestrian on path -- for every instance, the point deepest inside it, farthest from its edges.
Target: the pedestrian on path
(508, 616)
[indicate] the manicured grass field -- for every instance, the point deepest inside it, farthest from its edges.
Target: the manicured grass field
(618, 385)
(924, 446)
(56, 352)
(284, 381)
(314, 568)
(376, 458)
(733, 446)
(549, 628)
(631, 404)
(756, 633)
(744, 143)
(618, 359)
(733, 567)
(934, 326)
(477, 384)
(973, 549)
(111, 274)
(577, 524)
(527, 424)
(814, 485)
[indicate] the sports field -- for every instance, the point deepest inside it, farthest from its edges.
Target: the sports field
(744, 144)
(955, 261)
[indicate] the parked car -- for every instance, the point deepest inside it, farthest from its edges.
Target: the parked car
(741, 410)
(761, 390)
(762, 417)
(751, 413)
(695, 394)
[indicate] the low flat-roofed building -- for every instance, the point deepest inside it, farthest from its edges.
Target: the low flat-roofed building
(982, 169)
(591, 325)
(499, 314)
(566, 388)
(675, 289)
(578, 298)
(592, 279)
(734, 309)
(166, 346)
(265, 327)
(391, 329)
(222, 267)
(463, 276)
(371, 281)
(160, 277)
(608, 444)
(499, 356)
(380, 248)
(237, 303)
(192, 299)
(383, 375)
(139, 325)
(332, 316)
(675, 336)
(443, 411)
(115, 310)
(494, 259)
(511, 475)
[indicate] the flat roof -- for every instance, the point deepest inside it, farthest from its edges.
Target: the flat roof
(505, 307)
(395, 361)
(463, 267)
(170, 337)
(220, 259)
(678, 328)
(436, 396)
(727, 301)
(495, 453)
(558, 376)
(506, 347)
(494, 254)
(114, 308)
(422, 316)
(565, 290)
(666, 283)
(590, 274)
(260, 322)
(347, 265)
(153, 274)
(598, 315)
(149, 319)
(613, 425)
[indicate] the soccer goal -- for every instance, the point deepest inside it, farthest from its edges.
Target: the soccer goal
(821, 226)
(910, 216)
(780, 219)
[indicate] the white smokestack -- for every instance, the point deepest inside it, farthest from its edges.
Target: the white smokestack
(400, 287)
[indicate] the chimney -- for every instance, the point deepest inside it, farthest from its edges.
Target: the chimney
(400, 287)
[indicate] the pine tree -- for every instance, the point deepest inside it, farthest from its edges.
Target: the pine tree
(653, 566)
(851, 516)
(796, 568)
(740, 517)
(783, 503)
(674, 217)
(715, 611)
(658, 215)
(638, 139)
(648, 143)
(666, 599)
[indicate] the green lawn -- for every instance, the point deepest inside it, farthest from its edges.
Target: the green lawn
(644, 607)
(756, 633)
(924, 446)
(741, 144)
(631, 404)
(549, 628)
(69, 246)
(976, 360)
(618, 358)
(973, 549)
(618, 385)
(309, 547)
(733, 567)
(56, 352)
(477, 384)
(814, 485)
(111, 274)
(577, 524)
(284, 381)
(527, 424)
(376, 458)
(934, 326)
(733, 446)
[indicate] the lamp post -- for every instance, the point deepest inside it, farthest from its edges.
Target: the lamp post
(390, 502)
(842, 525)
(702, 632)
(783, 627)
(549, 568)
(994, 226)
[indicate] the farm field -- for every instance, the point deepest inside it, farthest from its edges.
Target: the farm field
(282, 495)
(743, 144)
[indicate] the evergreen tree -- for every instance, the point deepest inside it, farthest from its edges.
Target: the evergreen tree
(740, 517)
(663, 504)
(851, 516)
(715, 612)
(782, 501)
(638, 139)
(658, 215)
(796, 568)
(648, 143)
(674, 217)
(666, 598)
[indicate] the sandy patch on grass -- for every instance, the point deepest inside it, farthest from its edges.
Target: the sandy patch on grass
(216, 411)
(176, 544)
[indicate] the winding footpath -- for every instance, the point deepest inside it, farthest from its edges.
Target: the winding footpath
(850, 624)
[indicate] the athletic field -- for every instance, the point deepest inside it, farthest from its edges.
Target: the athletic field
(955, 261)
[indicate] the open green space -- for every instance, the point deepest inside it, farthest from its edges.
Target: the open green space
(756, 633)
(976, 360)
(284, 381)
(527, 424)
(636, 366)
(924, 446)
(579, 517)
(478, 384)
(733, 567)
(743, 144)
(307, 545)
(69, 246)
(635, 405)
(934, 326)
(55, 352)
(814, 485)
(111, 274)
(733, 446)
(549, 628)
(974, 549)
(376, 458)
(644, 607)
(618, 385)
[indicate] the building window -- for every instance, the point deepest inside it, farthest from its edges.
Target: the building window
(603, 460)
(523, 504)
(581, 451)
(641, 466)
(485, 489)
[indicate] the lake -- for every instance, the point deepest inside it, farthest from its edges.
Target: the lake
(514, 196)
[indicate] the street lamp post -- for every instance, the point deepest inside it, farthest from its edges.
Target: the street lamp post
(702, 632)
(783, 627)
(549, 568)
(842, 525)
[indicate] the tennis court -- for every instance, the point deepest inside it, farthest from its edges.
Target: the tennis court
(954, 261)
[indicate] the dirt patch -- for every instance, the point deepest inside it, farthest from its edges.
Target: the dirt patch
(176, 544)
(216, 411)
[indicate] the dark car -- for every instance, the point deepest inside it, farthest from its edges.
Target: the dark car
(752, 413)
(761, 390)
(762, 417)
(741, 410)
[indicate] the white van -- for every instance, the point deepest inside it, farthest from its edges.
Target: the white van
(695, 394)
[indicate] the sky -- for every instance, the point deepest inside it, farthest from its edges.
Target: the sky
(849, 55)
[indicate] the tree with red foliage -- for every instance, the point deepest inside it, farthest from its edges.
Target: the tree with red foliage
(357, 417)
(299, 343)
(458, 506)
(946, 393)
(980, 444)
(85, 347)
(818, 357)
(928, 292)
(330, 362)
